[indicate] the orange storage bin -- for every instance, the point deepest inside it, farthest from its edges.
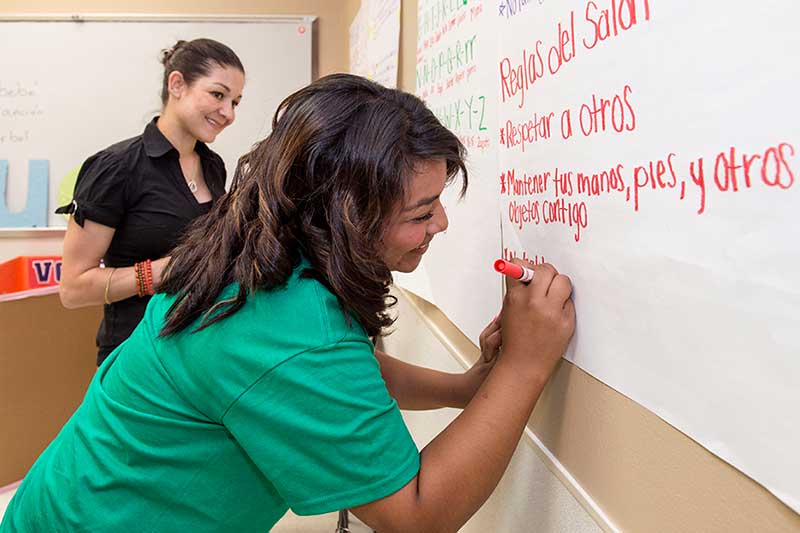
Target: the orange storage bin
(28, 272)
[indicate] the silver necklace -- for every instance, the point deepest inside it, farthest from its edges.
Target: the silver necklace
(191, 183)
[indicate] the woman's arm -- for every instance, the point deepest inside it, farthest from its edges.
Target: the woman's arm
(418, 388)
(463, 464)
(83, 282)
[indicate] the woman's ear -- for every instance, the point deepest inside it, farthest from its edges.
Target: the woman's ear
(176, 85)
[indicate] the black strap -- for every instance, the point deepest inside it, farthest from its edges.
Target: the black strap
(343, 525)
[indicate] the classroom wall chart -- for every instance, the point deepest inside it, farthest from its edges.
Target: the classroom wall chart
(650, 150)
(375, 41)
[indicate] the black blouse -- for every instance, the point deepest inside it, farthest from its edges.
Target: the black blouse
(137, 187)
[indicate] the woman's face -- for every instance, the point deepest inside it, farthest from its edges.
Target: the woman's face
(418, 219)
(208, 105)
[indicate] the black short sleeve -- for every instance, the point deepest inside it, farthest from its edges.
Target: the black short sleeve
(99, 191)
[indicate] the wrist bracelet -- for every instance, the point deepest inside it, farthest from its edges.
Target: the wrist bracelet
(108, 284)
(144, 278)
(148, 278)
(137, 268)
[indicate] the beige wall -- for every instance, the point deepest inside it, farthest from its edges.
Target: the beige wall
(407, 75)
(334, 17)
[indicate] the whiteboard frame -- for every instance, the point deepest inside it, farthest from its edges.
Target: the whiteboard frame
(15, 233)
(152, 17)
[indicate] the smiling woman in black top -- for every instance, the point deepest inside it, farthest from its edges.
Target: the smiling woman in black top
(134, 199)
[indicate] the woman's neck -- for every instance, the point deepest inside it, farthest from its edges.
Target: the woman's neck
(178, 137)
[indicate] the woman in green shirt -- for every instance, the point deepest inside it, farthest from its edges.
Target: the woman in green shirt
(251, 385)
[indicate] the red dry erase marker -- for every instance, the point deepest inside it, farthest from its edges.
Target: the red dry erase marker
(511, 270)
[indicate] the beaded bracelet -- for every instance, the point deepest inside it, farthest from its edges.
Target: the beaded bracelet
(137, 268)
(144, 278)
(148, 278)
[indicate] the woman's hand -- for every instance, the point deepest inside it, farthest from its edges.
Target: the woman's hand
(538, 320)
(158, 266)
(490, 341)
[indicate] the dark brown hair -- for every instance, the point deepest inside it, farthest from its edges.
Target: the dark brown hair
(325, 183)
(194, 59)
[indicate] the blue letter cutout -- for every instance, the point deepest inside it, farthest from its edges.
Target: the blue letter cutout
(35, 213)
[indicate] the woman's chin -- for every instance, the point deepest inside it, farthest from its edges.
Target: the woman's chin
(206, 134)
(408, 263)
(208, 138)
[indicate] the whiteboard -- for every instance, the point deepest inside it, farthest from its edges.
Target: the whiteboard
(71, 86)
(375, 41)
(455, 78)
(650, 149)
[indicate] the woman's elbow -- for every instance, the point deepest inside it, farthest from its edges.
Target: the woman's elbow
(68, 296)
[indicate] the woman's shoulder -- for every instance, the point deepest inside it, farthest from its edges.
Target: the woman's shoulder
(102, 183)
(121, 154)
(306, 307)
(297, 316)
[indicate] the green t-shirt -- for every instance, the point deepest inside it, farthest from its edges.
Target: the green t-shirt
(280, 405)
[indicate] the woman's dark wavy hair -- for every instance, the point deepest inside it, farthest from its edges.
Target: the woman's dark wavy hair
(323, 184)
